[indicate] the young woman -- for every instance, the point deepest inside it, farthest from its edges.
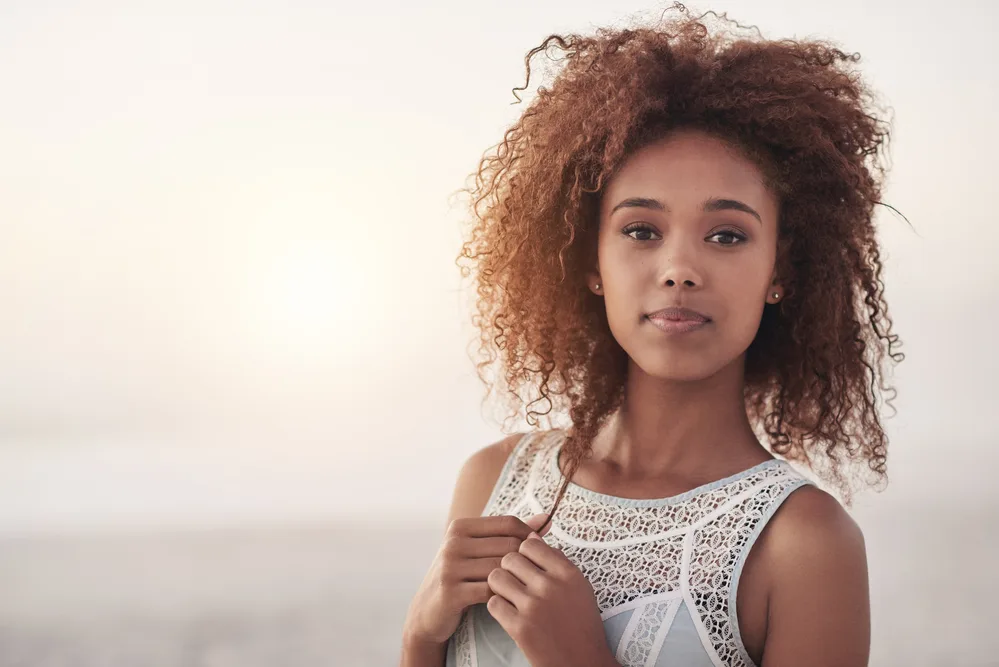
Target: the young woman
(674, 248)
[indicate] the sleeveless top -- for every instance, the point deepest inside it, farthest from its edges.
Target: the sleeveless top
(665, 571)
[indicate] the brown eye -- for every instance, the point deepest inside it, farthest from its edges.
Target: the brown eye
(639, 229)
(734, 238)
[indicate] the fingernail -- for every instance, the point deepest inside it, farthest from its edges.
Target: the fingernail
(533, 534)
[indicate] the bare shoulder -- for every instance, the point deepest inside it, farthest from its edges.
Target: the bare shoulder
(477, 477)
(819, 605)
(813, 523)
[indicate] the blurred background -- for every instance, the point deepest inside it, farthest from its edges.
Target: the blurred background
(234, 386)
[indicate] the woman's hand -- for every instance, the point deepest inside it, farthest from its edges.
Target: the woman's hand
(548, 607)
(471, 549)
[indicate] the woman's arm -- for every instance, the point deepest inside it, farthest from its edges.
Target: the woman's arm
(819, 604)
(476, 479)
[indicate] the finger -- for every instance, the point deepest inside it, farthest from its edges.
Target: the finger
(469, 593)
(545, 557)
(478, 569)
(490, 526)
(484, 547)
(521, 567)
(509, 586)
(502, 610)
(539, 520)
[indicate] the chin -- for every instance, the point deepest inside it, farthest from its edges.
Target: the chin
(675, 368)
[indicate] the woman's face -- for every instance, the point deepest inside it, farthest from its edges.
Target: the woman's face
(686, 221)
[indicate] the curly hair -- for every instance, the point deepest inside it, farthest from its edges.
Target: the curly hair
(802, 114)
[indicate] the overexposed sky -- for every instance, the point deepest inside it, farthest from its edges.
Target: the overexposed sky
(227, 245)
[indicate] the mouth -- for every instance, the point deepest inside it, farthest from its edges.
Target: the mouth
(678, 320)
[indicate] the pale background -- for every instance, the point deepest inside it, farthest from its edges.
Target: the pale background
(234, 389)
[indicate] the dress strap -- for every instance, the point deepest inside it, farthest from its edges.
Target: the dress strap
(508, 492)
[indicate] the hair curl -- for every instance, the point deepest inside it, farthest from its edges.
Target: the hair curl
(804, 116)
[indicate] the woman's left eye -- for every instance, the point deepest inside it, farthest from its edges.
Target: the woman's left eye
(737, 238)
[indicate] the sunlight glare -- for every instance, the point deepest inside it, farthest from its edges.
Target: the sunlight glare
(306, 300)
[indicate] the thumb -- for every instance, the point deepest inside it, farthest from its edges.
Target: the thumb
(536, 521)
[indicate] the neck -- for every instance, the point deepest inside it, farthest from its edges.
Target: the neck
(697, 428)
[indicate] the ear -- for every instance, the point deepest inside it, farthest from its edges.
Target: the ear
(594, 282)
(775, 292)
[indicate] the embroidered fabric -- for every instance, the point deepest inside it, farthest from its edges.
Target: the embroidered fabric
(464, 641)
(645, 632)
(649, 555)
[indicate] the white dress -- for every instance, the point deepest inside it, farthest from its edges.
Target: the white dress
(665, 571)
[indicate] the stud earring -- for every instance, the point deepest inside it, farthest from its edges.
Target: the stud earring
(597, 286)
(776, 295)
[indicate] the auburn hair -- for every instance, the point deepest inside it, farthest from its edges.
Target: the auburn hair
(814, 373)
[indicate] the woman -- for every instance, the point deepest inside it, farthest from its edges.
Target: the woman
(674, 247)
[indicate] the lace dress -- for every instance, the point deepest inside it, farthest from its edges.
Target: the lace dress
(665, 571)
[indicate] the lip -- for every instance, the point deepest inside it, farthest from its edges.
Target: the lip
(678, 314)
(678, 326)
(678, 320)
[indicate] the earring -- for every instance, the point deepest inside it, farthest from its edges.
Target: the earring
(597, 286)
(776, 295)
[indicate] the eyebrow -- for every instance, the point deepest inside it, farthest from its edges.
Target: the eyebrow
(710, 205)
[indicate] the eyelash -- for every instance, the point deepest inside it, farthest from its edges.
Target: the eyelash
(643, 227)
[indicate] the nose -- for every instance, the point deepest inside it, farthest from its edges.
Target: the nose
(681, 269)
(687, 282)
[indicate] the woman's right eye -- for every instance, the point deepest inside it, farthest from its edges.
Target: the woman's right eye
(641, 229)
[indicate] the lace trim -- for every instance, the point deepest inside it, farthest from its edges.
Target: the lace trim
(553, 463)
(744, 550)
(508, 494)
(646, 631)
(464, 641)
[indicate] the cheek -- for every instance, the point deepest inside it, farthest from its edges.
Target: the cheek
(623, 298)
(745, 300)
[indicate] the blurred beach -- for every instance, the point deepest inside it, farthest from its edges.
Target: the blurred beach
(336, 595)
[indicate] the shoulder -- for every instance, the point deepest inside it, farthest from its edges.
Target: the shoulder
(812, 525)
(485, 464)
(818, 585)
(478, 475)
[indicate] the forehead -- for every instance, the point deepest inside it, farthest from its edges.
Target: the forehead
(690, 165)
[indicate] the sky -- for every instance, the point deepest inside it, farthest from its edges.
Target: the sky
(228, 236)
